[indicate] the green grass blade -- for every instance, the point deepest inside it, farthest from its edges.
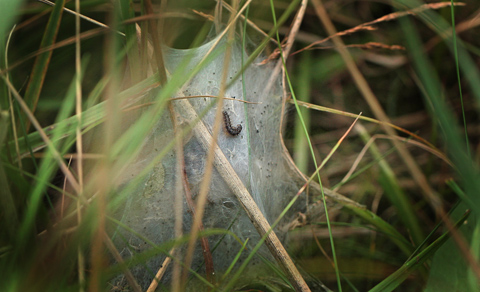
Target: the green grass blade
(383, 227)
(90, 117)
(35, 84)
(9, 11)
(395, 279)
(436, 22)
(433, 95)
(47, 168)
(8, 209)
(301, 155)
(457, 68)
(395, 193)
(449, 270)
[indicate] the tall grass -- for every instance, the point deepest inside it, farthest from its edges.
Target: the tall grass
(419, 220)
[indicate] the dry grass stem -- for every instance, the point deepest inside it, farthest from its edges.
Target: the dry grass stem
(161, 271)
(367, 26)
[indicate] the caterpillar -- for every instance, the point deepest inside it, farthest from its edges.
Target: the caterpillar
(234, 131)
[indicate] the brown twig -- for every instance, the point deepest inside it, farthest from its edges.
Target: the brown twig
(161, 272)
(128, 275)
(207, 255)
(68, 174)
(367, 26)
(347, 114)
(184, 187)
(156, 43)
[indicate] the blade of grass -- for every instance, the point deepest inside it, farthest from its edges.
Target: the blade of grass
(457, 150)
(303, 93)
(432, 85)
(457, 68)
(9, 12)
(384, 227)
(79, 138)
(461, 194)
(37, 76)
(91, 117)
(26, 232)
(281, 20)
(472, 279)
(393, 190)
(133, 58)
(448, 270)
(437, 23)
(368, 119)
(235, 260)
(9, 218)
(7, 202)
(47, 168)
(395, 279)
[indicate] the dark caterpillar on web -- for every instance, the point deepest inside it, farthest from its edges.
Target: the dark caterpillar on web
(234, 131)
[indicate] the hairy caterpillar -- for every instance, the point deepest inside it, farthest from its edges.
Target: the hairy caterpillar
(234, 131)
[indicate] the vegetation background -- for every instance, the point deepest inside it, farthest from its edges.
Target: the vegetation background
(418, 71)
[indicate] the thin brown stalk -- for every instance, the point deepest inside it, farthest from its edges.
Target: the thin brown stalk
(302, 189)
(104, 169)
(182, 181)
(404, 140)
(72, 155)
(347, 114)
(71, 40)
(79, 143)
(128, 275)
(218, 16)
(342, 33)
(459, 28)
(207, 255)
(320, 247)
(227, 29)
(156, 39)
(161, 271)
(64, 190)
(205, 184)
(39, 70)
(204, 15)
(290, 40)
(414, 11)
(366, 46)
(78, 14)
(367, 26)
(32, 19)
(41, 132)
(249, 22)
